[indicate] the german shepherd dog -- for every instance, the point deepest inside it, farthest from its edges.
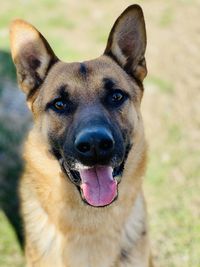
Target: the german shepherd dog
(81, 192)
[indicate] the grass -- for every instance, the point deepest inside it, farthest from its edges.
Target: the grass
(9, 250)
(158, 83)
(175, 222)
(166, 18)
(78, 31)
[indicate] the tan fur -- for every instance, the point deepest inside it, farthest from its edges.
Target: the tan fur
(60, 229)
(67, 225)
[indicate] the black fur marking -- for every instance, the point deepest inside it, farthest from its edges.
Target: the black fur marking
(108, 83)
(126, 68)
(130, 238)
(54, 58)
(69, 106)
(114, 58)
(51, 63)
(62, 91)
(63, 94)
(125, 252)
(56, 153)
(34, 63)
(144, 233)
(38, 80)
(83, 69)
(124, 255)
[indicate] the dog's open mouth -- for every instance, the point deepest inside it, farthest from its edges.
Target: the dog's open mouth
(97, 184)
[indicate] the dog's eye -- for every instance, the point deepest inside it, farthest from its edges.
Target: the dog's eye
(59, 105)
(116, 98)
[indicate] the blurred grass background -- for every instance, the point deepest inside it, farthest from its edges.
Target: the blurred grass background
(78, 30)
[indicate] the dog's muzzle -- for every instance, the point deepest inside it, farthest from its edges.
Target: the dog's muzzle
(98, 184)
(94, 161)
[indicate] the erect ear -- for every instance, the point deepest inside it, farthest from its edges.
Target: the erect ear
(127, 42)
(31, 54)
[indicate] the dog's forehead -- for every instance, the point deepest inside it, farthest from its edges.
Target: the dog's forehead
(89, 76)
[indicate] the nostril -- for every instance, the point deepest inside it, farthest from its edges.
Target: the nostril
(106, 144)
(83, 147)
(94, 145)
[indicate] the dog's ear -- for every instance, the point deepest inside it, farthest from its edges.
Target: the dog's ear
(31, 54)
(127, 42)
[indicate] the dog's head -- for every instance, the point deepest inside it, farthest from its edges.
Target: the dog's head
(88, 113)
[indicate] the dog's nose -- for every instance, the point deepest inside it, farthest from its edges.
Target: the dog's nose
(94, 145)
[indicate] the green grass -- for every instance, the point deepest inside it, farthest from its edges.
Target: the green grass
(10, 253)
(174, 205)
(159, 83)
(167, 18)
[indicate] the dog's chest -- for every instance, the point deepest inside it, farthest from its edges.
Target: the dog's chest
(97, 250)
(72, 249)
(104, 247)
(95, 247)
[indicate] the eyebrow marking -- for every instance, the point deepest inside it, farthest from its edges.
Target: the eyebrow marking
(62, 91)
(83, 69)
(108, 83)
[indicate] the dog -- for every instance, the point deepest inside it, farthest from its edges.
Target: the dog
(81, 192)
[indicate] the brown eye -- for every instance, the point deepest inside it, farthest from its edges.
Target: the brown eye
(60, 105)
(118, 96)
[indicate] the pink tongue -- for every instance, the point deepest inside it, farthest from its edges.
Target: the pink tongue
(98, 185)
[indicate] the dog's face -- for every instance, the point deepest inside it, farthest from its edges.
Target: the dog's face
(87, 112)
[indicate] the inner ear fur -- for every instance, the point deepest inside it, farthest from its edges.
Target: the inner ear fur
(127, 42)
(31, 54)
